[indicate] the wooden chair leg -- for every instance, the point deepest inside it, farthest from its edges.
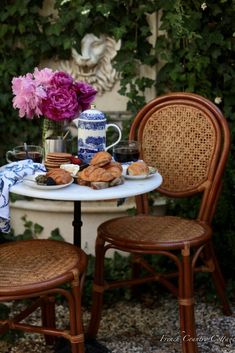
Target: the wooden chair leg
(217, 277)
(181, 307)
(48, 316)
(79, 346)
(186, 303)
(136, 270)
(98, 289)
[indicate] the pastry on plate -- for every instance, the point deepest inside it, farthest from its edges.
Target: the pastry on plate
(93, 173)
(101, 158)
(60, 176)
(138, 168)
(114, 168)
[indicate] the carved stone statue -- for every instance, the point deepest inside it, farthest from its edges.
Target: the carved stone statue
(93, 65)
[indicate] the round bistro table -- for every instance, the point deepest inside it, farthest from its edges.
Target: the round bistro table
(79, 193)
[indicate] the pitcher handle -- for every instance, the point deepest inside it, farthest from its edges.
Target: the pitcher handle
(8, 156)
(119, 136)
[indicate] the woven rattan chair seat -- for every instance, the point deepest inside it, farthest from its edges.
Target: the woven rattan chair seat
(153, 231)
(28, 263)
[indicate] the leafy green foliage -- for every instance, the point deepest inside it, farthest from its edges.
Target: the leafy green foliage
(55, 235)
(199, 57)
(27, 38)
(31, 231)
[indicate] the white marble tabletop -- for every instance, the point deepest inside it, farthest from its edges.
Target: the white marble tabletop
(76, 192)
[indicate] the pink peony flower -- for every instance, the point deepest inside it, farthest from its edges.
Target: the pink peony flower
(53, 95)
(43, 77)
(61, 103)
(86, 94)
(61, 79)
(28, 96)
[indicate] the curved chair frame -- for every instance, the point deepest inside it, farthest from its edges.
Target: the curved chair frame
(187, 138)
(35, 269)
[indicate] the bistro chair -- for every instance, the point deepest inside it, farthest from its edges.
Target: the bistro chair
(186, 137)
(36, 269)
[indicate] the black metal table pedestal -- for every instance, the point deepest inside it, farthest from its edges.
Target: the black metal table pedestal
(91, 345)
(77, 223)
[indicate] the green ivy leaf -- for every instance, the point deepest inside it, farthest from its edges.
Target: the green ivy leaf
(37, 228)
(27, 235)
(55, 235)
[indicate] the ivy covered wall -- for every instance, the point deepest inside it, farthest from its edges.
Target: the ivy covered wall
(194, 52)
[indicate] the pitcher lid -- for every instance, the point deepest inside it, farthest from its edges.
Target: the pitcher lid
(92, 114)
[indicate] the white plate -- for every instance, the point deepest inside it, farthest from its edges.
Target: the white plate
(30, 181)
(135, 177)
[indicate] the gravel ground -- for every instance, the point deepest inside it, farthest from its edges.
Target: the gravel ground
(151, 326)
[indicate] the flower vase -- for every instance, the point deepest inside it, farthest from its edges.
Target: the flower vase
(52, 129)
(52, 136)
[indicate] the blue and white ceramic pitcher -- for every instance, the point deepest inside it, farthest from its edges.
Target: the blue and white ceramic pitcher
(92, 129)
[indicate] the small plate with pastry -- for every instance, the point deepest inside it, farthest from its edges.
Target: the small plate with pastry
(54, 179)
(138, 170)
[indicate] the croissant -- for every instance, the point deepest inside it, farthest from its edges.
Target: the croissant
(85, 173)
(93, 173)
(138, 168)
(101, 158)
(114, 168)
(113, 164)
(60, 176)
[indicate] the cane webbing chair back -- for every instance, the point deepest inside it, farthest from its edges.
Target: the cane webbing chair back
(186, 137)
(36, 270)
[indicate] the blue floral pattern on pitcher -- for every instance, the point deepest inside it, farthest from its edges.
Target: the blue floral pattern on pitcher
(91, 140)
(92, 114)
(92, 134)
(91, 125)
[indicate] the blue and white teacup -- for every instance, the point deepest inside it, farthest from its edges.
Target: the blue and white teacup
(92, 129)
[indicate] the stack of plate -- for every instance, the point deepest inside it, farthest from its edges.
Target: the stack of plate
(55, 159)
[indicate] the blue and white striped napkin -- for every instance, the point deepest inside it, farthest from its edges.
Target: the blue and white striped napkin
(11, 174)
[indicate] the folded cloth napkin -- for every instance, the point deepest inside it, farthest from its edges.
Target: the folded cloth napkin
(11, 174)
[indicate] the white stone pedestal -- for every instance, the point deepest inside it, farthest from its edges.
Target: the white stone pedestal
(59, 214)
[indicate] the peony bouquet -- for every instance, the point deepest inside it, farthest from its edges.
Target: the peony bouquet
(51, 94)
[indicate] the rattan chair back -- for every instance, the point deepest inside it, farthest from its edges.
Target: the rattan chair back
(186, 138)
